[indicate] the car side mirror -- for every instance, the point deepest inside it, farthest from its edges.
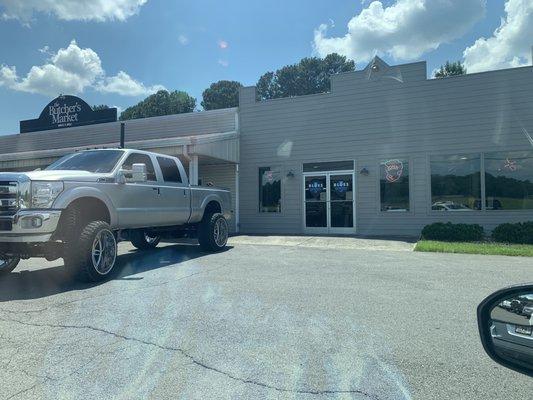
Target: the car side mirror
(121, 177)
(138, 173)
(505, 321)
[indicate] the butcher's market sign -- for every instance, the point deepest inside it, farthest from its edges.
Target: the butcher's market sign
(65, 112)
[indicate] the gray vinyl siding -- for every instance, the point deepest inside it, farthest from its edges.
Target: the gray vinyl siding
(190, 124)
(222, 175)
(369, 120)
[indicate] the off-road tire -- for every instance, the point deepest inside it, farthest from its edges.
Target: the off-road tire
(206, 232)
(69, 228)
(138, 239)
(79, 253)
(11, 264)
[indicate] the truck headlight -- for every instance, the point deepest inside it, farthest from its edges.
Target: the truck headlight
(44, 193)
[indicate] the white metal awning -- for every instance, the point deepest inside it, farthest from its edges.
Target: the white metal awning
(222, 146)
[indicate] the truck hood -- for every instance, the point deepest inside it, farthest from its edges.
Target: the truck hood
(52, 175)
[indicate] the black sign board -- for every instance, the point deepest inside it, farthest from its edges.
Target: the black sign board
(66, 112)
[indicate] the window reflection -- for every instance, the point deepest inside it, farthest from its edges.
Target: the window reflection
(509, 180)
(394, 185)
(456, 182)
(269, 189)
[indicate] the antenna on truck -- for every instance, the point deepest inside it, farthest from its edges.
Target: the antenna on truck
(122, 134)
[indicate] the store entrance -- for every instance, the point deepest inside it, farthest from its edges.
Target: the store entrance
(329, 202)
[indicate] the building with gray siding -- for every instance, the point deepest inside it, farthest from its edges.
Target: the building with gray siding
(386, 152)
(441, 133)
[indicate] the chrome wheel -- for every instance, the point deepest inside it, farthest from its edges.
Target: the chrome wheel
(8, 264)
(220, 232)
(4, 261)
(151, 239)
(104, 251)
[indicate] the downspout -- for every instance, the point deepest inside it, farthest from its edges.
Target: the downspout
(237, 206)
(237, 189)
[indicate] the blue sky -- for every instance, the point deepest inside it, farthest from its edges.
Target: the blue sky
(188, 45)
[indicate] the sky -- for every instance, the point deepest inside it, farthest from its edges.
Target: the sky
(117, 52)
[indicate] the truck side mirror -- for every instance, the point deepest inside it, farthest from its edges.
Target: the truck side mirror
(138, 173)
(121, 177)
(505, 321)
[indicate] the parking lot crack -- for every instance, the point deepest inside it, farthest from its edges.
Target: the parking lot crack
(195, 361)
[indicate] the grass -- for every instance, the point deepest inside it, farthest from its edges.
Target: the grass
(502, 249)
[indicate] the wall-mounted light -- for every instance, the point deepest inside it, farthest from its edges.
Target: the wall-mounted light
(364, 171)
(290, 174)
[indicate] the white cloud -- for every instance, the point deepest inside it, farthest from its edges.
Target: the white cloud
(510, 44)
(8, 75)
(70, 71)
(125, 85)
(224, 63)
(184, 40)
(69, 10)
(223, 44)
(405, 30)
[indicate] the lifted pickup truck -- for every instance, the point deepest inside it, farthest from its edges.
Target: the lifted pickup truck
(79, 207)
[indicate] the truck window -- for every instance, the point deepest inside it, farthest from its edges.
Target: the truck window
(138, 158)
(91, 161)
(169, 169)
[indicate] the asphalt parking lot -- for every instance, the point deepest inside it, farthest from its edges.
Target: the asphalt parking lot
(270, 318)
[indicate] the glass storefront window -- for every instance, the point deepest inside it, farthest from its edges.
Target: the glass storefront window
(394, 185)
(269, 190)
(315, 188)
(509, 180)
(456, 182)
(341, 198)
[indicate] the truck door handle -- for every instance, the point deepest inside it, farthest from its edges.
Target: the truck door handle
(156, 188)
(184, 193)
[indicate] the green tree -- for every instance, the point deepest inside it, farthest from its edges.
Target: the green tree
(161, 103)
(310, 75)
(98, 107)
(451, 69)
(221, 94)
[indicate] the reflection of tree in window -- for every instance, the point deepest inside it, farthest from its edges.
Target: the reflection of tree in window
(394, 185)
(509, 180)
(456, 183)
(269, 190)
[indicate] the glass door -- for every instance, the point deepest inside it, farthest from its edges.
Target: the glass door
(341, 203)
(316, 204)
(329, 202)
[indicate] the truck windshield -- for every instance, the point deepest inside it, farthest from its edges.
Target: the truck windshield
(90, 161)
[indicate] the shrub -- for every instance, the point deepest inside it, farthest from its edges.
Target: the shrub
(449, 232)
(521, 233)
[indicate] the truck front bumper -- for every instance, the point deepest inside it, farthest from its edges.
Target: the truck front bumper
(29, 226)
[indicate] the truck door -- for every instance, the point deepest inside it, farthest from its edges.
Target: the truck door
(138, 203)
(175, 194)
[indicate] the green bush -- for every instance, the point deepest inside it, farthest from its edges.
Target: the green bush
(449, 232)
(520, 233)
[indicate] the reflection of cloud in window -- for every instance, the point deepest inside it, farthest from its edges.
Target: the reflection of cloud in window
(284, 149)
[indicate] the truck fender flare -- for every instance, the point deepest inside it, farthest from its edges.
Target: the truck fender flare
(208, 199)
(70, 195)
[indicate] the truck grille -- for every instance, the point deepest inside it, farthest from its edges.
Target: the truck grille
(9, 199)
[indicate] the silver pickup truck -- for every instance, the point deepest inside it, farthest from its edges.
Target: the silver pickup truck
(79, 207)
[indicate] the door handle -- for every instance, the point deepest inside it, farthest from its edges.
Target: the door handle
(184, 193)
(156, 188)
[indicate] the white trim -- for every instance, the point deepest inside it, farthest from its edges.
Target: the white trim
(328, 229)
